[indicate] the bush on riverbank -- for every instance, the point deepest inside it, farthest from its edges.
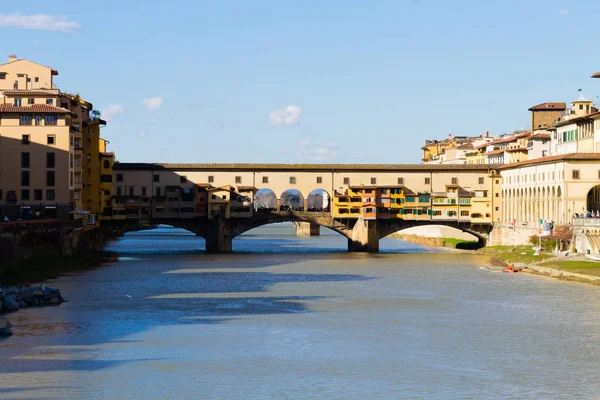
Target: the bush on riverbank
(441, 242)
(37, 269)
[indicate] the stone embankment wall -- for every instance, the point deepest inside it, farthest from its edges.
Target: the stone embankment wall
(507, 235)
(21, 240)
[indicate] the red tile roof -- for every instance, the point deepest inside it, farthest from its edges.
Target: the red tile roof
(549, 107)
(560, 157)
(30, 93)
(523, 135)
(540, 136)
(34, 108)
(505, 140)
(491, 153)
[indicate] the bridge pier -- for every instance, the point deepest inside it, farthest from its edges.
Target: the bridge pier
(365, 237)
(219, 237)
(306, 229)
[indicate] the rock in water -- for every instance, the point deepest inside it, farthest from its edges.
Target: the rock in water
(9, 303)
(5, 326)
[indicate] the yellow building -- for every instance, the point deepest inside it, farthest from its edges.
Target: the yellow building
(106, 163)
(61, 164)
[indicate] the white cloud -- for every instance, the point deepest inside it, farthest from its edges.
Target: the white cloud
(112, 110)
(305, 142)
(321, 153)
(564, 12)
(42, 22)
(289, 115)
(153, 103)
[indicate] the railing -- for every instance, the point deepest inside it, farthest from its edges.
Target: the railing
(595, 222)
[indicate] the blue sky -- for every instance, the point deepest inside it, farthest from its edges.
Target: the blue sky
(310, 81)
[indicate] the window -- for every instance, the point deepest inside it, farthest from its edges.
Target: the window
(25, 139)
(265, 179)
(292, 180)
(400, 181)
(50, 160)
(211, 179)
(156, 178)
(144, 193)
(575, 174)
(39, 119)
(25, 160)
(51, 139)
(17, 102)
(346, 181)
(481, 181)
(497, 208)
(319, 179)
(88, 158)
(373, 181)
(120, 178)
(464, 213)
(24, 178)
(455, 181)
(427, 181)
(49, 102)
(30, 101)
(131, 190)
(50, 178)
(158, 192)
(24, 194)
(497, 194)
(51, 120)
(238, 179)
(37, 194)
(50, 194)
(37, 79)
(119, 190)
(25, 119)
(2, 75)
(182, 179)
(106, 164)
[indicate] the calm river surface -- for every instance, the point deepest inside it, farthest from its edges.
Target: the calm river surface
(299, 318)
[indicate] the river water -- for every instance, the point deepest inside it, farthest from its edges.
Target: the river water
(299, 318)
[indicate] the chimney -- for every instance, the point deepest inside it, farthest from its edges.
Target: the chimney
(487, 133)
(12, 57)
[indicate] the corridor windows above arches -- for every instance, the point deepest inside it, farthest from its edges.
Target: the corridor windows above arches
(238, 179)
(400, 181)
(575, 174)
(346, 181)
(293, 180)
(265, 179)
(211, 179)
(319, 179)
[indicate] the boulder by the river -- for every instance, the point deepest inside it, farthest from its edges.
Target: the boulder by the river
(9, 303)
(5, 326)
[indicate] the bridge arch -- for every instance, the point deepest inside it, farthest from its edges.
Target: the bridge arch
(318, 200)
(265, 200)
(247, 225)
(291, 200)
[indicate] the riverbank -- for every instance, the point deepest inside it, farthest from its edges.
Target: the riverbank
(41, 268)
(452, 243)
(571, 268)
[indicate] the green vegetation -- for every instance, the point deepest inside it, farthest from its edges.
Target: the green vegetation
(461, 244)
(510, 254)
(40, 268)
(578, 266)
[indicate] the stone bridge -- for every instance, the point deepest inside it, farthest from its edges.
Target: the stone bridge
(363, 234)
